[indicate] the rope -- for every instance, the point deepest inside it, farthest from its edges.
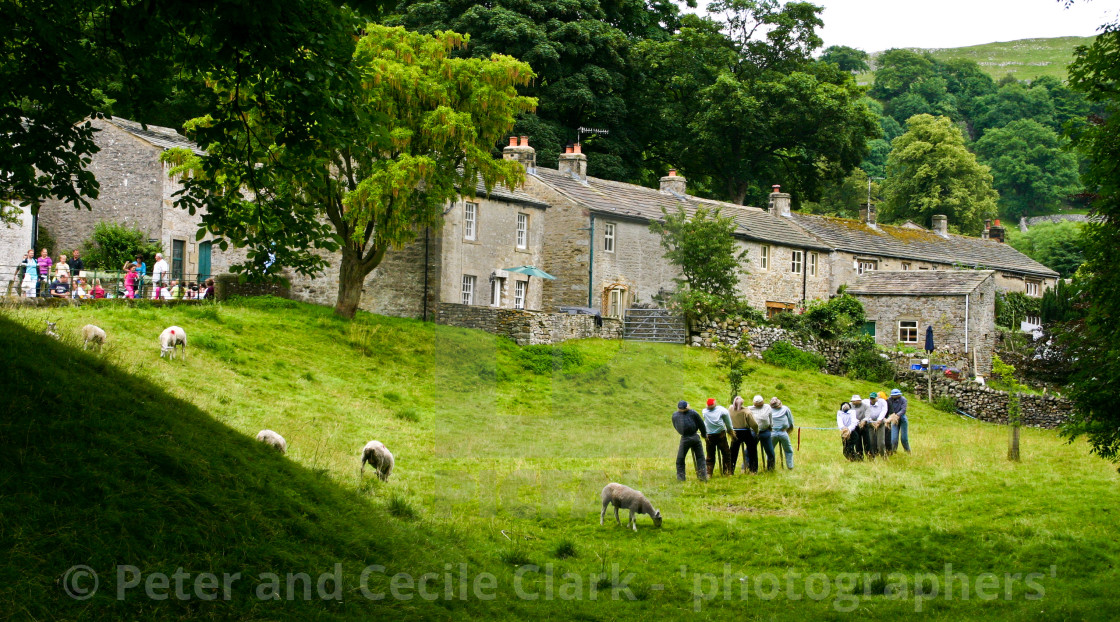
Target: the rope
(961, 412)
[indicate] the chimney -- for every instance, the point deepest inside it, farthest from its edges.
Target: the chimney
(941, 225)
(867, 214)
(573, 162)
(996, 232)
(673, 183)
(779, 202)
(522, 152)
(987, 229)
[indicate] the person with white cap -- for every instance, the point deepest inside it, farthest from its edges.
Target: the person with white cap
(877, 415)
(847, 424)
(863, 429)
(160, 275)
(717, 422)
(762, 415)
(782, 421)
(896, 407)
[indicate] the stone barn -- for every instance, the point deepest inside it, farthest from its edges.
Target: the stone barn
(959, 304)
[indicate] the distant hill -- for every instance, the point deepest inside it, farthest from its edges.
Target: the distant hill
(1025, 59)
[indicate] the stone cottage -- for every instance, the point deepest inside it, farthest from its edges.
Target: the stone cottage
(599, 245)
(958, 304)
(15, 239)
(137, 191)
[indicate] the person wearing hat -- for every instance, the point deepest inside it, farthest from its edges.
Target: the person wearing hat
(896, 407)
(746, 436)
(782, 421)
(764, 418)
(717, 421)
(863, 428)
(847, 424)
(689, 425)
(877, 415)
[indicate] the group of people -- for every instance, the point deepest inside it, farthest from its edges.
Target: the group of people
(729, 432)
(43, 277)
(867, 429)
(873, 428)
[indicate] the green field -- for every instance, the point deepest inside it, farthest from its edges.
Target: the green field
(1025, 59)
(121, 459)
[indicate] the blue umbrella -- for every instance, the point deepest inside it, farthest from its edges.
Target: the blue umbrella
(531, 271)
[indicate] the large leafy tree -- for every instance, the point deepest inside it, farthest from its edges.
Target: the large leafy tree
(930, 171)
(1011, 103)
(846, 58)
(1030, 167)
(384, 155)
(1056, 245)
(740, 104)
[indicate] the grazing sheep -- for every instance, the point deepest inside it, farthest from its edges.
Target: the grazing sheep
(52, 329)
(94, 334)
(378, 457)
(269, 437)
(630, 499)
(171, 337)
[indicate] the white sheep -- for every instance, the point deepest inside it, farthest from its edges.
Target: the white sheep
(52, 329)
(269, 437)
(379, 457)
(92, 334)
(171, 337)
(629, 499)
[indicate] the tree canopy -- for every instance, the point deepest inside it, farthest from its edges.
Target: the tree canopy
(1057, 245)
(930, 171)
(1031, 168)
(846, 58)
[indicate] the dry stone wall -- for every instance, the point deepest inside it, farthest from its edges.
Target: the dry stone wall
(528, 327)
(730, 332)
(988, 404)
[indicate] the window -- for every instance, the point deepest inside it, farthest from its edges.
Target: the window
(608, 237)
(866, 265)
(869, 328)
(522, 230)
(468, 289)
(178, 253)
(795, 265)
(905, 265)
(519, 294)
(617, 302)
(496, 291)
(812, 264)
(908, 331)
(764, 257)
(470, 221)
(1034, 320)
(1032, 288)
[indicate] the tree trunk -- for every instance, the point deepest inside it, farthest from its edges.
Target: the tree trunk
(351, 277)
(1013, 444)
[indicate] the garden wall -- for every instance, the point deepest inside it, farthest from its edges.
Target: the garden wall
(987, 404)
(731, 332)
(528, 327)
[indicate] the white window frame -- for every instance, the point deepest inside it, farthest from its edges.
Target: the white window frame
(906, 265)
(1033, 319)
(616, 302)
(470, 221)
(911, 325)
(469, 281)
(608, 237)
(764, 257)
(522, 230)
(797, 261)
(866, 265)
(520, 289)
(812, 264)
(1033, 288)
(496, 291)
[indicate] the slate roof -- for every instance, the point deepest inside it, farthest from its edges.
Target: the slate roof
(919, 282)
(502, 193)
(640, 203)
(162, 137)
(912, 242)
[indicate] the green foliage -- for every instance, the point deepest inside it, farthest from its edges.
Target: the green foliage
(840, 316)
(112, 244)
(734, 363)
(703, 247)
(1030, 167)
(400, 507)
(1013, 102)
(546, 359)
(695, 305)
(1002, 370)
(565, 549)
(863, 362)
(1059, 303)
(845, 197)
(784, 354)
(1014, 307)
(408, 414)
(945, 403)
(930, 171)
(847, 58)
(1056, 245)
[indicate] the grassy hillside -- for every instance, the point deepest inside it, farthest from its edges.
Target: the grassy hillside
(1025, 59)
(123, 458)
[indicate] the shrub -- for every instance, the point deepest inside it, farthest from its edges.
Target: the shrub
(864, 363)
(546, 359)
(838, 317)
(793, 322)
(112, 244)
(784, 354)
(945, 403)
(1013, 307)
(696, 304)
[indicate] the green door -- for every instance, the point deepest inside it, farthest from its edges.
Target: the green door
(868, 327)
(203, 261)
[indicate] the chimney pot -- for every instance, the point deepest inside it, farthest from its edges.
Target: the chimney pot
(524, 141)
(512, 141)
(674, 183)
(779, 202)
(777, 188)
(576, 148)
(997, 222)
(573, 162)
(672, 172)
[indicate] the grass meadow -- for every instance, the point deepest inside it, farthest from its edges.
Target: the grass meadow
(121, 458)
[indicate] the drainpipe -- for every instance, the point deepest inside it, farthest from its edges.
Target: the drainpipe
(427, 236)
(966, 296)
(591, 262)
(804, 275)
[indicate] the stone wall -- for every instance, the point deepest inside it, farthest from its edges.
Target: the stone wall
(228, 285)
(731, 332)
(15, 239)
(528, 327)
(565, 253)
(987, 404)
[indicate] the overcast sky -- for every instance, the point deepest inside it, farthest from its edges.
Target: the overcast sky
(876, 25)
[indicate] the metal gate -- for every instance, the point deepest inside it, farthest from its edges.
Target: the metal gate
(660, 325)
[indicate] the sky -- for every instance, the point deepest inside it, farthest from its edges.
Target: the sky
(877, 25)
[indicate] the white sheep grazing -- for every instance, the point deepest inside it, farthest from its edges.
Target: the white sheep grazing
(92, 334)
(379, 457)
(629, 499)
(171, 337)
(269, 437)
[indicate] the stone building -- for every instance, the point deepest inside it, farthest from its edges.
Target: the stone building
(958, 304)
(137, 191)
(15, 239)
(599, 246)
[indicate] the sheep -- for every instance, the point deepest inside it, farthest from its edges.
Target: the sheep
(94, 334)
(52, 329)
(630, 499)
(269, 437)
(171, 337)
(378, 457)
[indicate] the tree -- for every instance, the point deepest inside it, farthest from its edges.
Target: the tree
(1011, 103)
(113, 244)
(1095, 387)
(1030, 167)
(897, 70)
(702, 246)
(846, 58)
(930, 171)
(390, 149)
(1057, 246)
